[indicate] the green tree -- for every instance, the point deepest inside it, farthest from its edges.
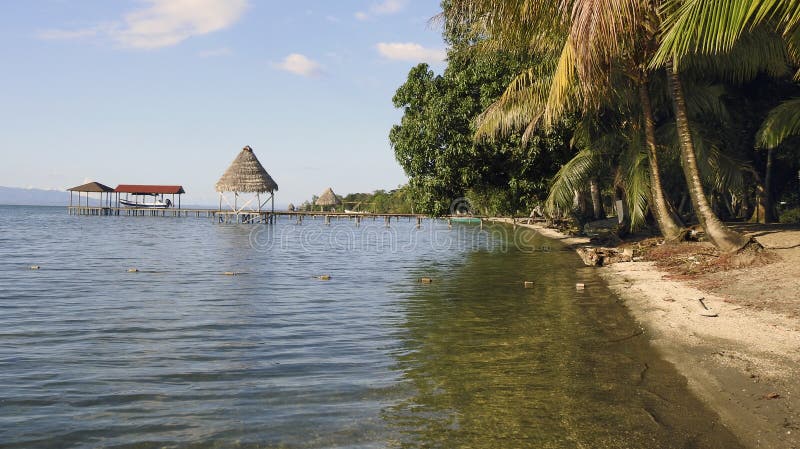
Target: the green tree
(434, 141)
(594, 41)
(712, 28)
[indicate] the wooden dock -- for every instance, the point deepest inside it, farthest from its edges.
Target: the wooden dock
(242, 216)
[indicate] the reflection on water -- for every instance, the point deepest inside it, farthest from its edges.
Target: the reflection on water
(179, 355)
(497, 366)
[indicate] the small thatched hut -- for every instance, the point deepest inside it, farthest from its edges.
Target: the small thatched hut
(290, 207)
(246, 175)
(328, 198)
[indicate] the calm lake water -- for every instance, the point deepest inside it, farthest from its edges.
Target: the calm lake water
(181, 355)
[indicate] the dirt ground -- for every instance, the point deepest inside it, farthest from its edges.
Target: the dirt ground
(773, 287)
(745, 361)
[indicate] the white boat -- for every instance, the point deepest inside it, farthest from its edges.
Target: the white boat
(155, 204)
(348, 211)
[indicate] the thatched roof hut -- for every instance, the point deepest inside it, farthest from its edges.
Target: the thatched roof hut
(290, 207)
(246, 174)
(328, 198)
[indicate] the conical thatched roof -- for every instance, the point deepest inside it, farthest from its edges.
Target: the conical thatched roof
(290, 207)
(246, 174)
(328, 198)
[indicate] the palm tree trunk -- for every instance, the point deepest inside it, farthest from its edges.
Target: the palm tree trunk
(744, 205)
(621, 206)
(597, 203)
(760, 210)
(724, 238)
(769, 215)
(668, 222)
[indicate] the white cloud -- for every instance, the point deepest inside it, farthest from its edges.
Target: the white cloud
(300, 65)
(409, 51)
(386, 7)
(162, 23)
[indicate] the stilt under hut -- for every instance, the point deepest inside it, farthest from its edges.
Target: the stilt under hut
(248, 181)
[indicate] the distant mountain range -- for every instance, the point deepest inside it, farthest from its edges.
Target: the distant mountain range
(34, 197)
(18, 196)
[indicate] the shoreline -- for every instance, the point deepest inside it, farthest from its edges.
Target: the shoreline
(735, 362)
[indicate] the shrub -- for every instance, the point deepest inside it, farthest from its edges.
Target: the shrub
(790, 216)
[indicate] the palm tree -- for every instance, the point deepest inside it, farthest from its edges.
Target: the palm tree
(720, 235)
(710, 27)
(781, 123)
(595, 39)
(605, 146)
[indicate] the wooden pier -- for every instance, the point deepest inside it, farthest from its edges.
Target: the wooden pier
(242, 216)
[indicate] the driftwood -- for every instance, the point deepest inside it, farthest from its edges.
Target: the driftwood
(598, 256)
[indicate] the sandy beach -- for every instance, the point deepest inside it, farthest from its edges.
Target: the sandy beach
(744, 362)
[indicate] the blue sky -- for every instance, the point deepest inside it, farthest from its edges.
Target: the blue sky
(168, 91)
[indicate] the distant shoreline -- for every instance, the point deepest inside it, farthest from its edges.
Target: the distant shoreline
(736, 362)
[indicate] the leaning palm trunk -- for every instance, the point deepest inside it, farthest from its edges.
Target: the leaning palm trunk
(668, 222)
(724, 238)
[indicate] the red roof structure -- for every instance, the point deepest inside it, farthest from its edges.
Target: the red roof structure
(138, 189)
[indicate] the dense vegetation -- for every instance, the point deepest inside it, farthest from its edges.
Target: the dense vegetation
(685, 110)
(398, 201)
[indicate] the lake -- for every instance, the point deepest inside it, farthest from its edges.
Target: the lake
(181, 355)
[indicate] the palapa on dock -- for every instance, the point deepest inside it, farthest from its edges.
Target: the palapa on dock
(246, 175)
(328, 198)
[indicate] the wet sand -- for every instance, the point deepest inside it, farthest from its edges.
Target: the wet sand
(744, 362)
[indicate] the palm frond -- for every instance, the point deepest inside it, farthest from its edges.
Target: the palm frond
(760, 50)
(509, 23)
(705, 101)
(562, 87)
(636, 179)
(521, 105)
(718, 169)
(602, 32)
(574, 175)
(781, 122)
(714, 26)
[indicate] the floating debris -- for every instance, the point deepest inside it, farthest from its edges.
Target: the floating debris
(230, 273)
(324, 277)
(35, 267)
(426, 280)
(133, 270)
(528, 284)
(580, 286)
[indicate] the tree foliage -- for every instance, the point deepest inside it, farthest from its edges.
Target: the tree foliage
(434, 140)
